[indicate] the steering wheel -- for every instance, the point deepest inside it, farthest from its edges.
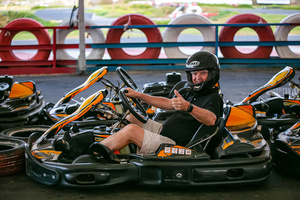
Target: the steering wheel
(127, 80)
(3, 86)
(138, 110)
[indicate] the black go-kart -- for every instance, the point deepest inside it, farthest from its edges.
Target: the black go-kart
(275, 111)
(230, 152)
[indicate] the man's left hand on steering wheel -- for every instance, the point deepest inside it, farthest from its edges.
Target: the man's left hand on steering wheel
(133, 106)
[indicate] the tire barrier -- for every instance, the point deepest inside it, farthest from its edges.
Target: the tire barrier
(152, 34)
(42, 36)
(12, 156)
(265, 33)
(171, 34)
(281, 34)
(95, 34)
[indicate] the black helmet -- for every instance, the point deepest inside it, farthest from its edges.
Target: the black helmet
(202, 60)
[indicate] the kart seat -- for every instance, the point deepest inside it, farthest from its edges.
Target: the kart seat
(204, 133)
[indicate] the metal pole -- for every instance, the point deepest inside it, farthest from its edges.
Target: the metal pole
(81, 27)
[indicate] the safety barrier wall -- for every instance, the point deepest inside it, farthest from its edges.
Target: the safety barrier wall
(213, 41)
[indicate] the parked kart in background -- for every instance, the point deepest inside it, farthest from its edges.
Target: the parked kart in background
(20, 103)
(285, 149)
(278, 118)
(275, 111)
(45, 114)
(52, 113)
(231, 152)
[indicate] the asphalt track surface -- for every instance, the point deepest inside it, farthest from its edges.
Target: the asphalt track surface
(236, 84)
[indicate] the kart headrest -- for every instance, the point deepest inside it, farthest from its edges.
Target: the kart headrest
(239, 118)
(204, 133)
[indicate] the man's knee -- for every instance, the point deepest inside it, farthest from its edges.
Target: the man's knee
(132, 128)
(134, 133)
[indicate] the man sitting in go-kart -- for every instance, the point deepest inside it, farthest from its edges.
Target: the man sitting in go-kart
(201, 104)
(86, 159)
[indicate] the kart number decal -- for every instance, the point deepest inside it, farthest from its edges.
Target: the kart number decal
(174, 150)
(181, 151)
(168, 151)
(188, 152)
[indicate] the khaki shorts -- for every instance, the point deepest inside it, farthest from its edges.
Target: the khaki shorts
(152, 138)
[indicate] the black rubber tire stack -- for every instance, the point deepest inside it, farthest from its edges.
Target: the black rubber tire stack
(12, 159)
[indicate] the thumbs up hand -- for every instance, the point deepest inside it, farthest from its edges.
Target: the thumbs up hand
(179, 103)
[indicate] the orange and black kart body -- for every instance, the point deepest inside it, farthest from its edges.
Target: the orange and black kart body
(227, 153)
(20, 103)
(63, 108)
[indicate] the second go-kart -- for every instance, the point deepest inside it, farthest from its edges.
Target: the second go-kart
(23, 109)
(285, 148)
(231, 152)
(51, 113)
(274, 111)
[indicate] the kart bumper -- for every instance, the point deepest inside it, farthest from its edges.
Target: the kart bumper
(89, 174)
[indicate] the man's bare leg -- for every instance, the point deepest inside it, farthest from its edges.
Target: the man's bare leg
(129, 134)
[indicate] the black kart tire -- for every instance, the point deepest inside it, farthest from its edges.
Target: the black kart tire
(12, 156)
(23, 132)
